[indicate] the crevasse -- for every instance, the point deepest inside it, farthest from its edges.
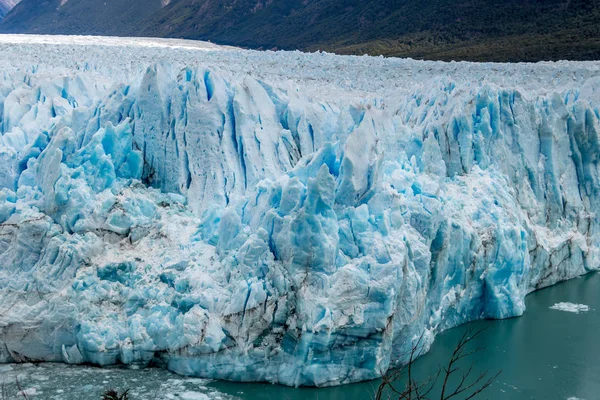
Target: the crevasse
(236, 226)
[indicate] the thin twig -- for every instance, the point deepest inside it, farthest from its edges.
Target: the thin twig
(21, 391)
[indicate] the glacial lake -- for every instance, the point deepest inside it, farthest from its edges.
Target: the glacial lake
(546, 354)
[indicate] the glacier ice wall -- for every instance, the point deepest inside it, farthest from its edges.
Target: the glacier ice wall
(210, 214)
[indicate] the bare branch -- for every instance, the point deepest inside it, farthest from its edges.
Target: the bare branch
(410, 363)
(21, 391)
(420, 390)
(485, 386)
(431, 381)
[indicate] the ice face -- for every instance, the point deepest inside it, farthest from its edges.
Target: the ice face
(284, 217)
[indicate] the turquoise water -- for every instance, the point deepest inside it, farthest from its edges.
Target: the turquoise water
(546, 354)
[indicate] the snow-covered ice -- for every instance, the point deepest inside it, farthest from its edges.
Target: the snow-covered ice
(571, 307)
(280, 216)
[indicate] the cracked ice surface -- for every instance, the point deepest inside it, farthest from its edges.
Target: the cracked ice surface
(283, 217)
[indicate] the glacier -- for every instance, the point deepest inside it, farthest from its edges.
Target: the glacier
(284, 217)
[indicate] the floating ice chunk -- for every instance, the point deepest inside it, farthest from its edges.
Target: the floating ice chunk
(571, 307)
(193, 396)
(29, 392)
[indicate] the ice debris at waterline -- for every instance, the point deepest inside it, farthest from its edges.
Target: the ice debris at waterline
(50, 381)
(571, 307)
(283, 217)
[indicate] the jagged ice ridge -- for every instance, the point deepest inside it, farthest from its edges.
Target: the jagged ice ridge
(283, 217)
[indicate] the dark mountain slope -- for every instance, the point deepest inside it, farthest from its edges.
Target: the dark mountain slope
(81, 17)
(490, 30)
(500, 30)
